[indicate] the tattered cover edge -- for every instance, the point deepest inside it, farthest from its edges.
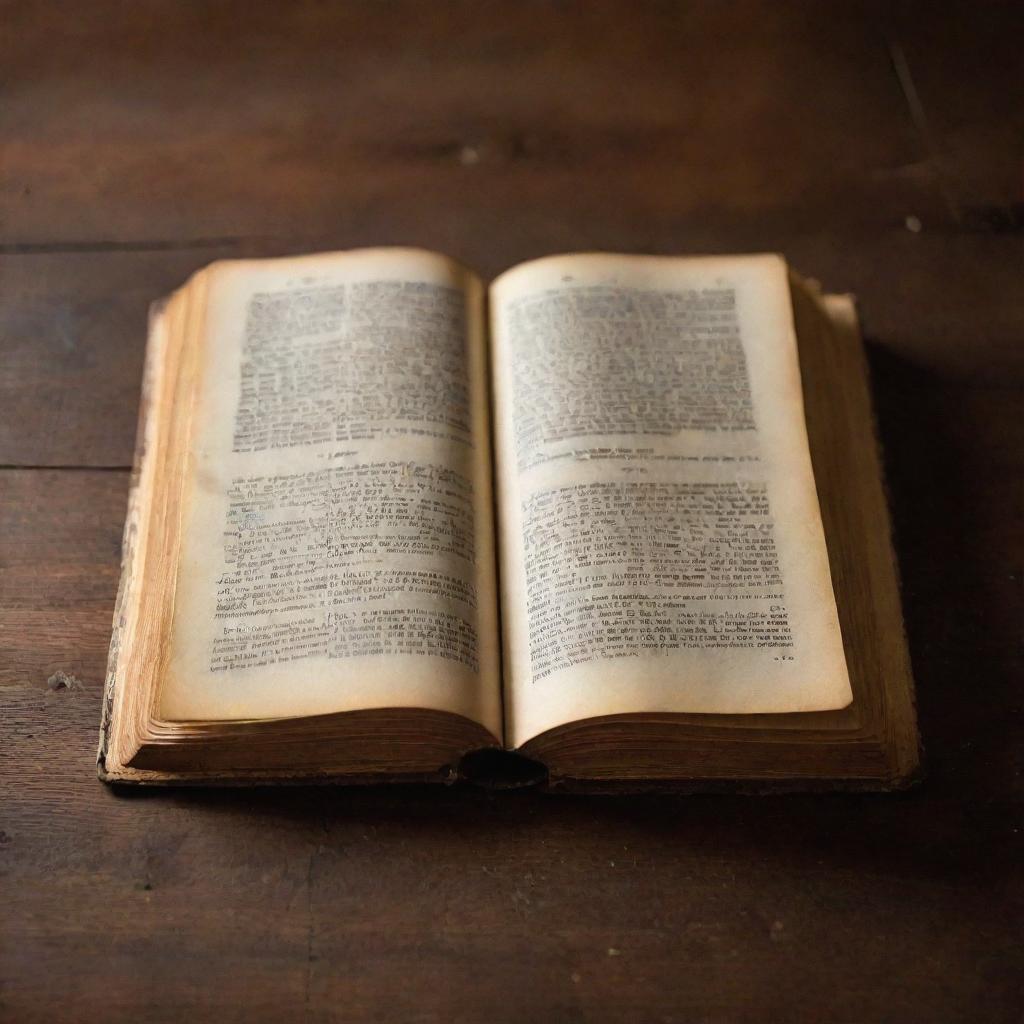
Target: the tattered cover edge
(569, 786)
(849, 320)
(135, 777)
(129, 540)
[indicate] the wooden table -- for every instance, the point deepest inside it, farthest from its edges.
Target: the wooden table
(878, 146)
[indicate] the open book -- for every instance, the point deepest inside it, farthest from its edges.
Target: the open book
(622, 515)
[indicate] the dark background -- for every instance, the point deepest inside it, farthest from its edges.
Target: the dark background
(879, 146)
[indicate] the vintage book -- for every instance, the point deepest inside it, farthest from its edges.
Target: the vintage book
(622, 516)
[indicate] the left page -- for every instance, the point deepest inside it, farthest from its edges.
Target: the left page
(338, 540)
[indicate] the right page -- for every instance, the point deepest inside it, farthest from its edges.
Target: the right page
(661, 540)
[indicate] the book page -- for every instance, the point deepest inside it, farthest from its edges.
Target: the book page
(661, 541)
(338, 546)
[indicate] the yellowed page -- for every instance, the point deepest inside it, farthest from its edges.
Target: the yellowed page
(338, 538)
(661, 541)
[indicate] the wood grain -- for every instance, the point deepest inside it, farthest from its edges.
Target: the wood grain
(963, 65)
(58, 573)
(140, 141)
(158, 121)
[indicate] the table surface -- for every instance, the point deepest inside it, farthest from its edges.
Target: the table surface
(879, 146)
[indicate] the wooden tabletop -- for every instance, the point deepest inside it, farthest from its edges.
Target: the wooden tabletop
(879, 146)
